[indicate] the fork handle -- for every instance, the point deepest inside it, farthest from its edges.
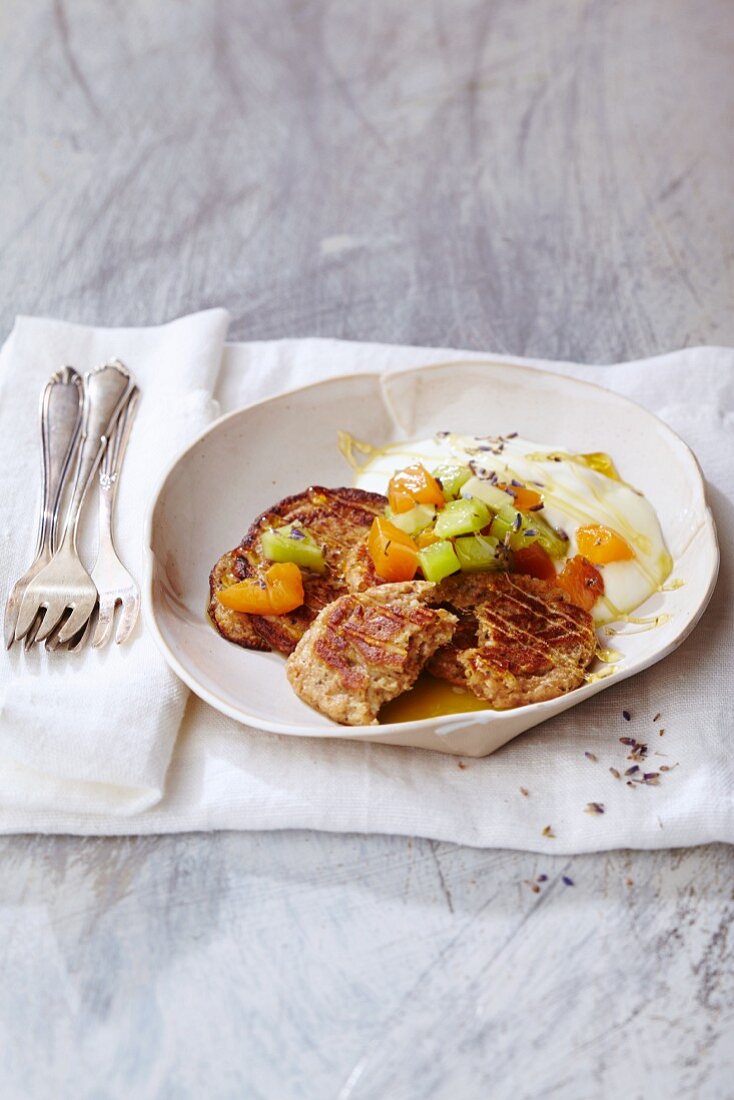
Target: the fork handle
(109, 474)
(61, 414)
(106, 390)
(60, 417)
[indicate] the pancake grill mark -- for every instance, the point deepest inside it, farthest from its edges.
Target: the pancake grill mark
(367, 648)
(533, 643)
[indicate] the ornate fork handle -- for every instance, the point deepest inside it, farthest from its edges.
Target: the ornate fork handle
(61, 415)
(109, 472)
(106, 390)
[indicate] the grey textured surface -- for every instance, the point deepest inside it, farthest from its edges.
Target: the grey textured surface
(547, 178)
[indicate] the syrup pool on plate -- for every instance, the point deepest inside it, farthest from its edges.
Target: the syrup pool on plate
(430, 698)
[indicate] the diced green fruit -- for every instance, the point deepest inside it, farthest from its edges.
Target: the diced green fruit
(413, 521)
(528, 528)
(452, 478)
(438, 560)
(548, 538)
(479, 489)
(476, 553)
(462, 517)
(504, 522)
(510, 525)
(293, 543)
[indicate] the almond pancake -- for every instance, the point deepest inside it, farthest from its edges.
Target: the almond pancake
(367, 648)
(338, 519)
(532, 642)
(460, 594)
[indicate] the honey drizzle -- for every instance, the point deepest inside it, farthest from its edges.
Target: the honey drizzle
(348, 444)
(647, 623)
(594, 677)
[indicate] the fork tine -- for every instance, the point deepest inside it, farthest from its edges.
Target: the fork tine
(105, 622)
(30, 637)
(12, 607)
(29, 608)
(77, 643)
(54, 610)
(130, 610)
(76, 620)
(53, 643)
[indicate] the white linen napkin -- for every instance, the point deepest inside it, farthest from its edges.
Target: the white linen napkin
(95, 731)
(224, 776)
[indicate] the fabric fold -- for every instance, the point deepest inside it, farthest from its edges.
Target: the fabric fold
(93, 732)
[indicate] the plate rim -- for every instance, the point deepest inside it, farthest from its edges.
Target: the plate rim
(538, 711)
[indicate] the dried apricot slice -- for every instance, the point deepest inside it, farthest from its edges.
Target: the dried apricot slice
(581, 581)
(393, 553)
(411, 486)
(525, 499)
(601, 544)
(279, 591)
(285, 587)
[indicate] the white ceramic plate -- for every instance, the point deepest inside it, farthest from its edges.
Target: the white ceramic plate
(251, 458)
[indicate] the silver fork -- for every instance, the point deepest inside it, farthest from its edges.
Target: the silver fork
(61, 414)
(64, 585)
(114, 583)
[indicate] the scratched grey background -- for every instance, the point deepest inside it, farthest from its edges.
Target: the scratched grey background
(540, 177)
